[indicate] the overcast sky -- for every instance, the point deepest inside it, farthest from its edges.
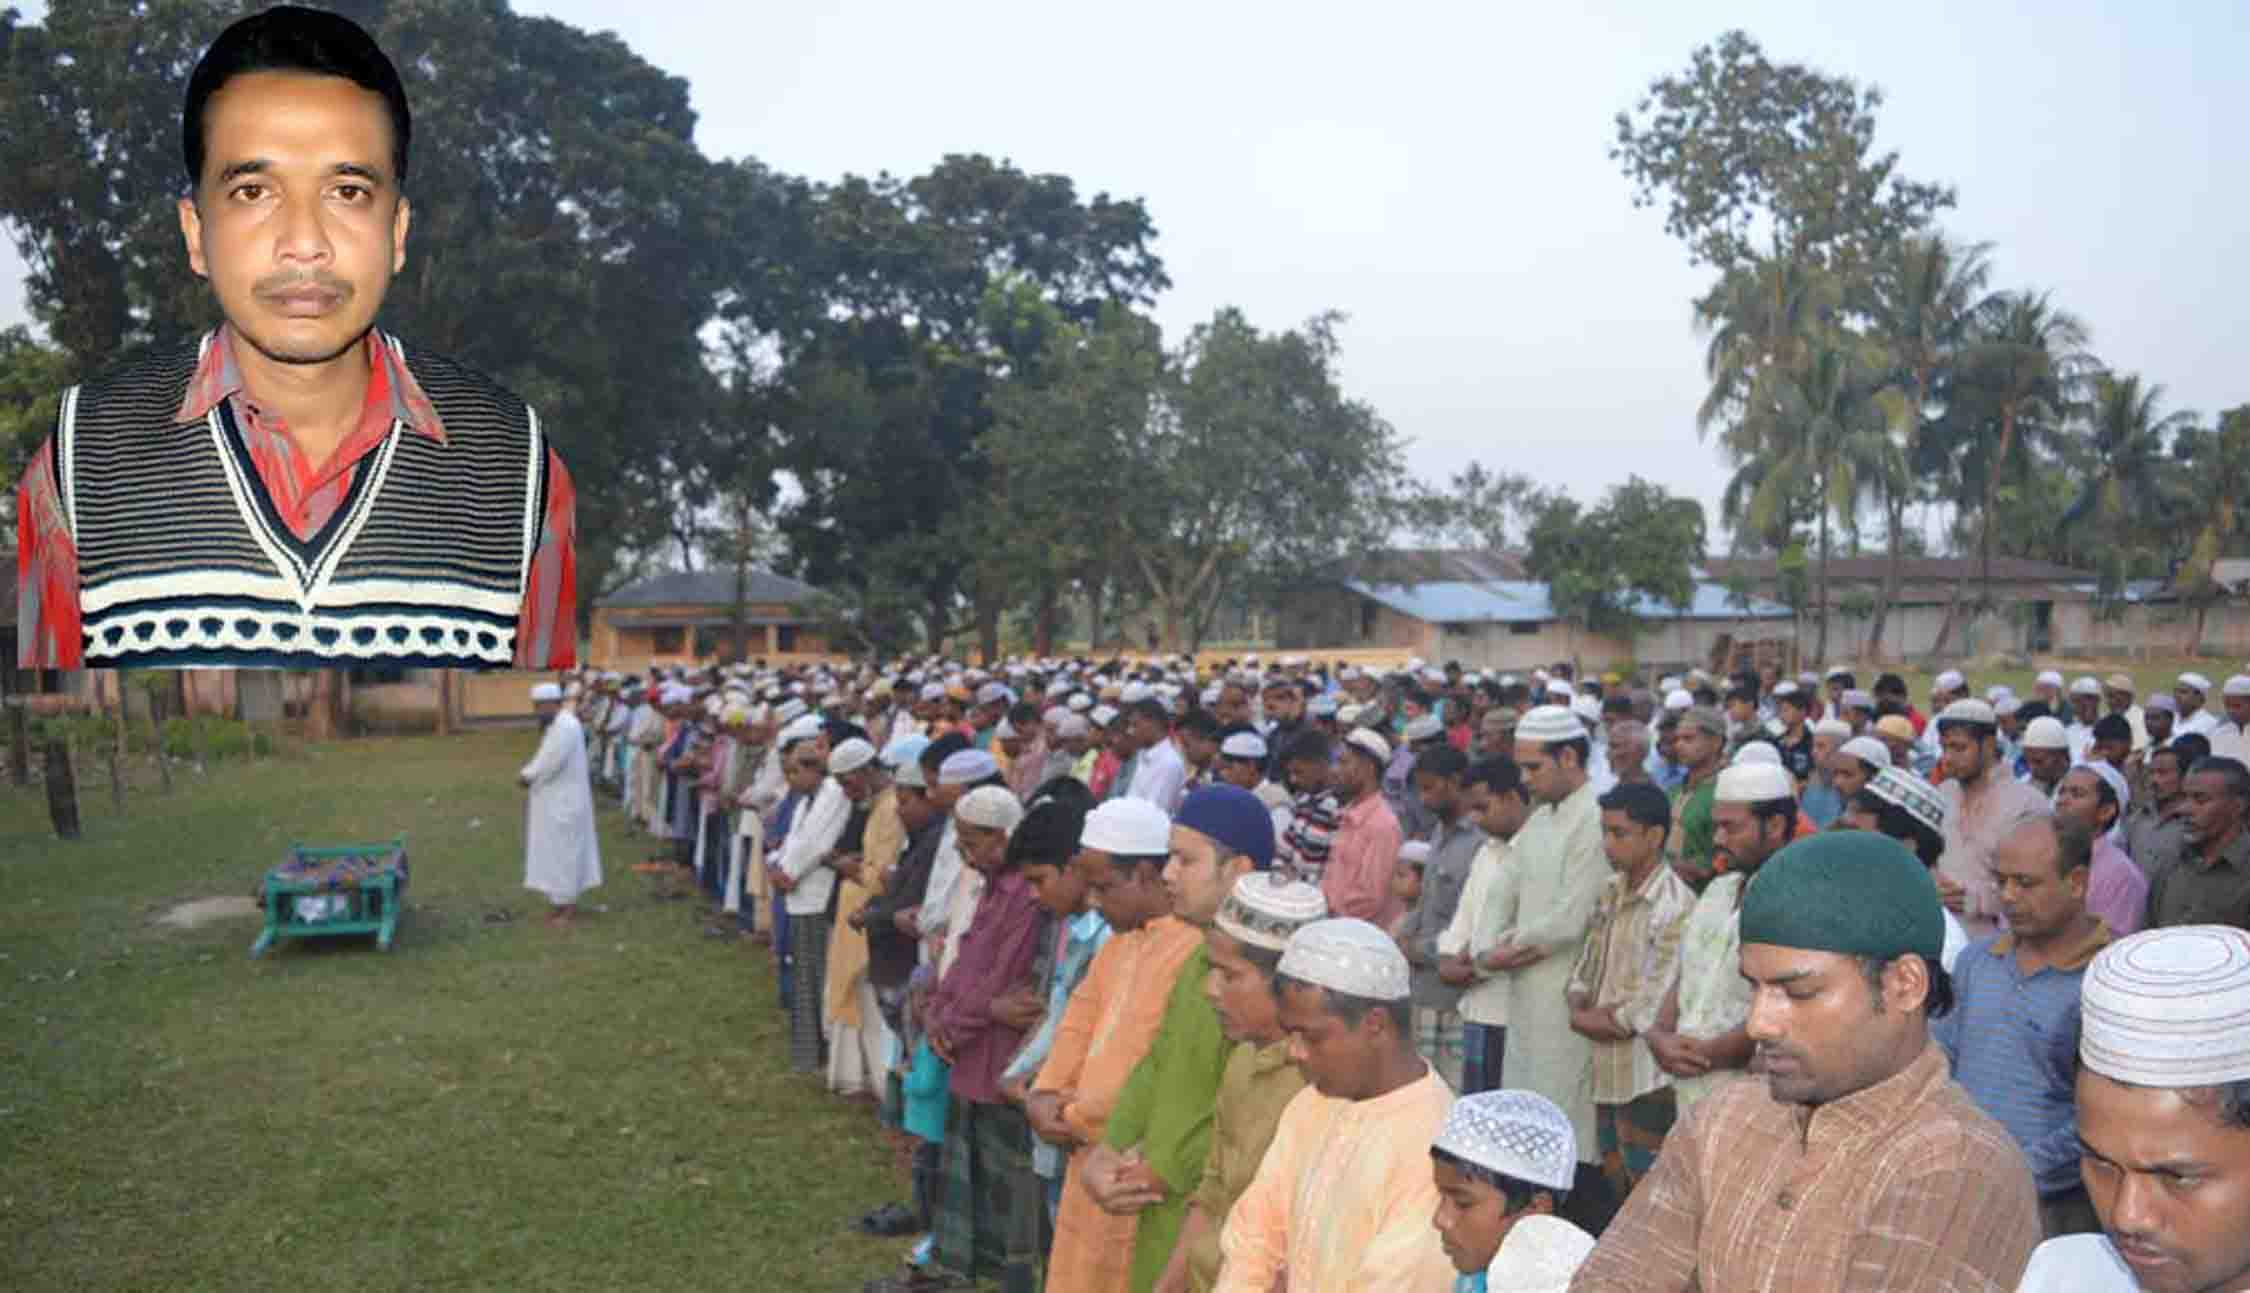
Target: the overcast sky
(1439, 173)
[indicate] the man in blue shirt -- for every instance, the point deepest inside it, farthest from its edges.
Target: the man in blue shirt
(2013, 1031)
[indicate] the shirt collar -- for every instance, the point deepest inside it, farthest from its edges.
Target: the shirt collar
(219, 377)
(2072, 958)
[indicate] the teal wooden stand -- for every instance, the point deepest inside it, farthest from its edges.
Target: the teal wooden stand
(356, 888)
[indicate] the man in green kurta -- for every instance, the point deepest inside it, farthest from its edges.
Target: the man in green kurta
(1159, 1133)
(1701, 748)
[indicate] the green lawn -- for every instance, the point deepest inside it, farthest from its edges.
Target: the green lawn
(491, 1105)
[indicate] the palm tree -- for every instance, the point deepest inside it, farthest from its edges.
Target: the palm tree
(1758, 317)
(2027, 361)
(1918, 302)
(2129, 490)
(2218, 484)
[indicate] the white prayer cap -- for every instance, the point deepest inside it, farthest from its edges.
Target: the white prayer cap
(2045, 733)
(1950, 680)
(1412, 666)
(2117, 786)
(850, 756)
(994, 693)
(1349, 714)
(546, 693)
(1209, 696)
(993, 807)
(2165, 1008)
(1868, 749)
(1322, 707)
(2048, 678)
(966, 767)
(1265, 907)
(674, 693)
(2196, 681)
(802, 728)
(1347, 955)
(1549, 723)
(1509, 680)
(1414, 851)
(2163, 702)
(1756, 752)
(1072, 727)
(1103, 715)
(1676, 700)
(2086, 686)
(1916, 796)
(1351, 673)
(1971, 710)
(1005, 732)
(1808, 679)
(1370, 743)
(2006, 706)
(1134, 693)
(1436, 676)
(1835, 671)
(1997, 692)
(1784, 688)
(1292, 662)
(1425, 728)
(1668, 684)
(789, 711)
(904, 750)
(2238, 685)
(1561, 690)
(1517, 1133)
(1054, 715)
(1856, 698)
(1754, 783)
(1243, 745)
(932, 691)
(714, 705)
(1079, 702)
(1127, 828)
(1833, 727)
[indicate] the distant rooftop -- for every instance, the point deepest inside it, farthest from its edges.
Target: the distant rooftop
(707, 588)
(1524, 601)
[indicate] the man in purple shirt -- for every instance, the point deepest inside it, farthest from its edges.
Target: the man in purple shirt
(2094, 796)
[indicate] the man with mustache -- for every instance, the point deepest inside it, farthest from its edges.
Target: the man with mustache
(298, 488)
(1857, 1163)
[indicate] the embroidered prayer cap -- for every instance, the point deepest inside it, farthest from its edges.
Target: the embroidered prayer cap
(2195, 682)
(1371, 744)
(1243, 745)
(1424, 728)
(966, 768)
(1919, 798)
(1414, 852)
(2045, 733)
(1237, 819)
(1834, 728)
(2169, 1007)
(1950, 680)
(1971, 710)
(993, 807)
(1265, 907)
(1517, 1133)
(1754, 783)
(1348, 955)
(1546, 724)
(850, 756)
(2161, 701)
(1127, 828)
(1855, 893)
(1756, 752)
(2238, 685)
(546, 693)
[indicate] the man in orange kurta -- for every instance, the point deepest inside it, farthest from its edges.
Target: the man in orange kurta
(1112, 1018)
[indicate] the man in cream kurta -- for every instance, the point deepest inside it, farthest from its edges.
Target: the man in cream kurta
(561, 857)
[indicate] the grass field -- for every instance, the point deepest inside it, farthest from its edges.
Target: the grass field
(491, 1105)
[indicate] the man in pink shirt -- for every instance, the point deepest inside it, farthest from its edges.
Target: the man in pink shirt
(2094, 796)
(1357, 881)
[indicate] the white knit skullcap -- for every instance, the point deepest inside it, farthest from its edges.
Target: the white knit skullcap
(1348, 955)
(993, 807)
(2086, 686)
(1833, 727)
(546, 693)
(1243, 745)
(850, 756)
(2049, 678)
(1677, 699)
(1950, 680)
(2196, 681)
(1072, 727)
(1867, 748)
(2045, 733)
(1756, 752)
(1414, 851)
(1517, 1133)
(1370, 743)
(1127, 828)
(2169, 1007)
(966, 768)
(1549, 723)
(2238, 685)
(1754, 783)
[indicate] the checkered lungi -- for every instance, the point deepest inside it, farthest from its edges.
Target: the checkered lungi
(1631, 1136)
(808, 989)
(991, 1218)
(1438, 1036)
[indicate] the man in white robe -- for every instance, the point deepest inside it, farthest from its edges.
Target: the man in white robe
(561, 857)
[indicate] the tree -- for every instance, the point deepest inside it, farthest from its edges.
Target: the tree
(2025, 362)
(1741, 150)
(1258, 471)
(2128, 495)
(1604, 566)
(1918, 303)
(1479, 508)
(2220, 480)
(32, 377)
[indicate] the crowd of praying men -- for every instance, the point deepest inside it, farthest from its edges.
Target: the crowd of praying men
(1264, 976)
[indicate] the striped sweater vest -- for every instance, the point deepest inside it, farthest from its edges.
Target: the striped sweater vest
(183, 559)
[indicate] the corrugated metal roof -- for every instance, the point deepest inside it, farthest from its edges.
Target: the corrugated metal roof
(1524, 601)
(707, 588)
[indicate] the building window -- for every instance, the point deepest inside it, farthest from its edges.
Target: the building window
(785, 638)
(1368, 613)
(667, 641)
(1525, 628)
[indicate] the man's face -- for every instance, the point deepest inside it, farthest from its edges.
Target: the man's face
(804, 767)
(1198, 876)
(1696, 748)
(2170, 1182)
(2047, 766)
(1243, 774)
(2078, 797)
(1239, 992)
(2212, 813)
(1197, 748)
(1284, 704)
(1472, 1218)
(1964, 749)
(2238, 710)
(1233, 707)
(2038, 899)
(915, 810)
(1357, 773)
(297, 219)
(2086, 708)
(982, 847)
(1740, 710)
(1126, 898)
(1059, 886)
(546, 710)
(1147, 729)
(1791, 711)
(1337, 1058)
(2118, 701)
(1627, 844)
(2190, 700)
(1441, 795)
(1628, 745)
(1121, 739)
(2164, 775)
(1306, 776)
(1543, 774)
(2114, 751)
(2159, 725)
(1746, 839)
(1502, 812)
(1823, 749)
(1822, 1031)
(857, 784)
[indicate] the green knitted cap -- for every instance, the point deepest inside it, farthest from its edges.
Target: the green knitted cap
(1852, 892)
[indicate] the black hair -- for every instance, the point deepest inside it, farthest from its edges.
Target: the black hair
(1022, 714)
(1149, 709)
(1767, 810)
(1848, 682)
(1267, 959)
(1747, 695)
(2237, 776)
(1618, 705)
(290, 38)
(1516, 1194)
(1642, 804)
(2032, 709)
(1583, 745)
(1890, 683)
(1351, 1008)
(1051, 823)
(1978, 732)
(1936, 1004)
(1201, 722)
(2231, 1101)
(1309, 746)
(939, 750)
(1900, 825)
(1441, 761)
(2112, 727)
(1499, 774)
(2190, 749)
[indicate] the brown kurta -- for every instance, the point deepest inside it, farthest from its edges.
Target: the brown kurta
(1906, 1185)
(847, 947)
